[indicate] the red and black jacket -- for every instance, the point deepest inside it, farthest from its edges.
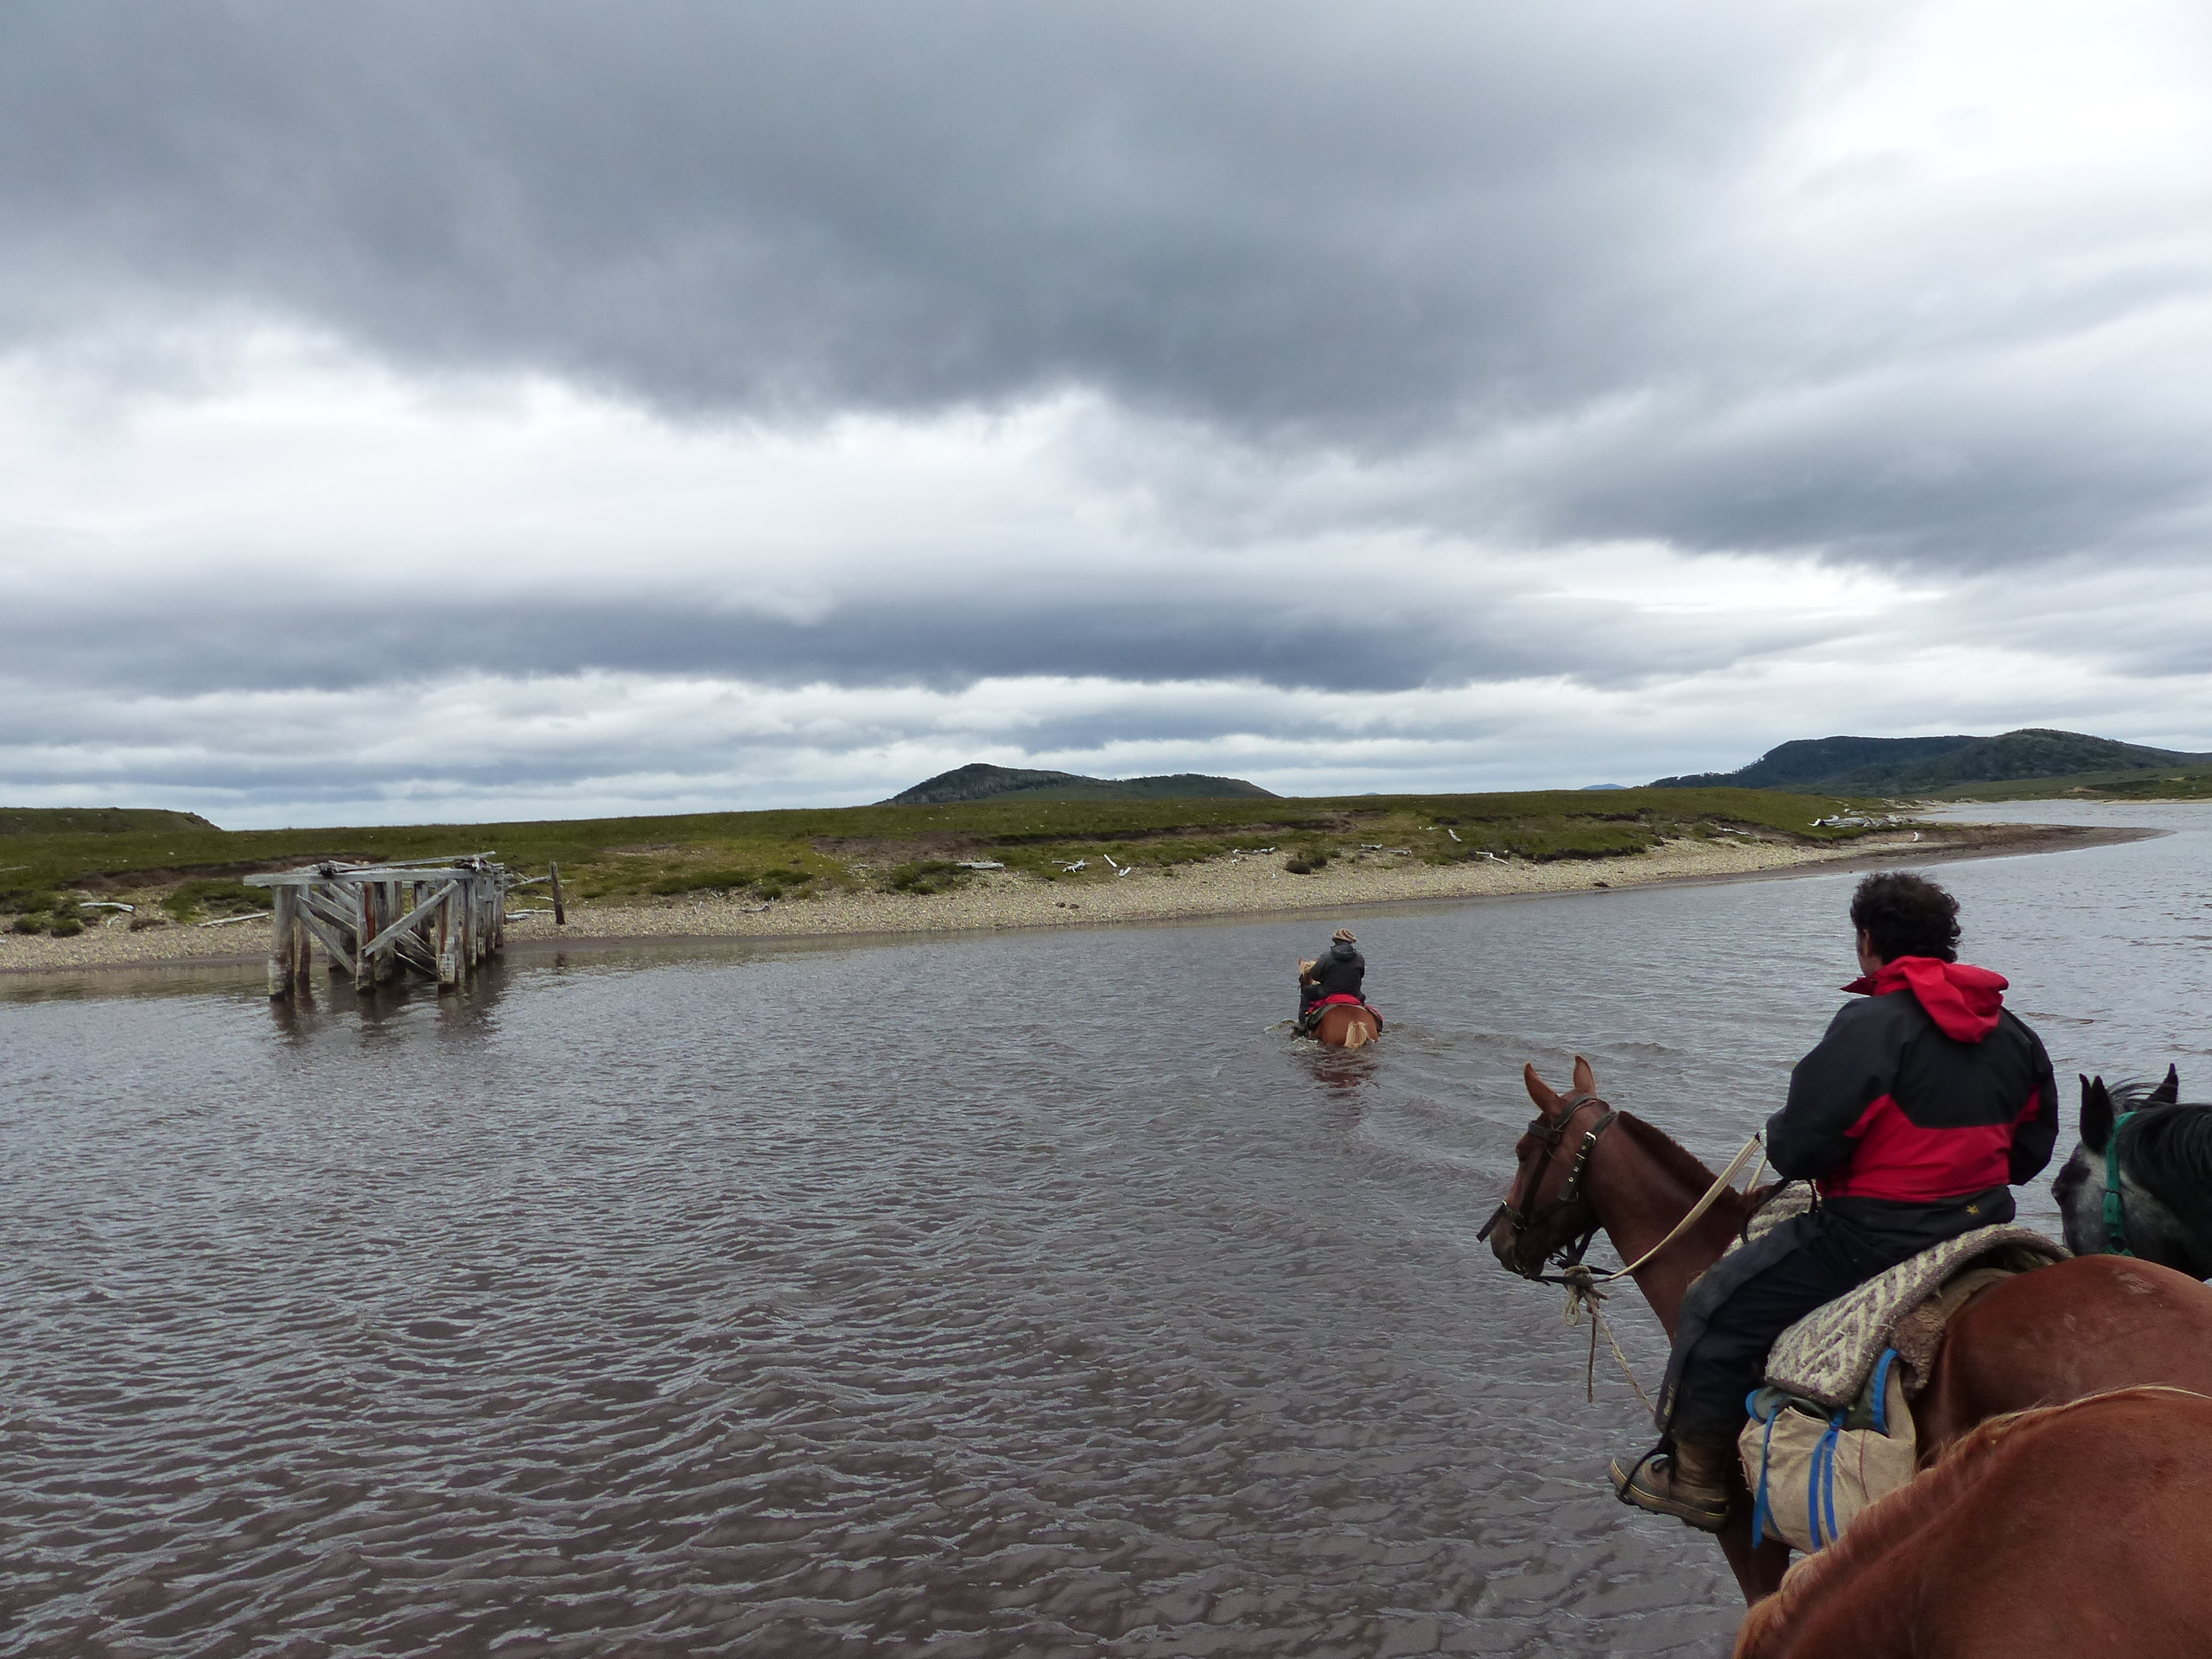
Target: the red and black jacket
(1927, 1093)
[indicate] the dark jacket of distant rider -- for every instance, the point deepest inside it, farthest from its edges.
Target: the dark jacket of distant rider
(1922, 1106)
(1338, 971)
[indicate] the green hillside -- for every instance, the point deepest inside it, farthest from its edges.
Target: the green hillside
(94, 821)
(980, 781)
(1928, 766)
(1811, 761)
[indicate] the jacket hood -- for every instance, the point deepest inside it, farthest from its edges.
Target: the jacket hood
(1342, 952)
(1963, 1001)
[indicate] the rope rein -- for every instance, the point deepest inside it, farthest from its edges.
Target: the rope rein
(1585, 1287)
(1582, 1293)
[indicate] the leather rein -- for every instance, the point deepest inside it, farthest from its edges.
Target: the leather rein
(1554, 1133)
(1568, 1257)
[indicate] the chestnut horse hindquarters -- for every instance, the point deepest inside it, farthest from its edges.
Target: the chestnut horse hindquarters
(1812, 1470)
(2047, 1534)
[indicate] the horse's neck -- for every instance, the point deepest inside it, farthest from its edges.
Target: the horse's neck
(1640, 1201)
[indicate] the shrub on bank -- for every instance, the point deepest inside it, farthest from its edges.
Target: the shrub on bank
(222, 896)
(926, 875)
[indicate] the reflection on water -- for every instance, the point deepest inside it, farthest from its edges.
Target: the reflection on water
(1011, 1294)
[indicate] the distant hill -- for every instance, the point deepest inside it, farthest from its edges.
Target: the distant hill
(1815, 760)
(1914, 765)
(94, 821)
(979, 782)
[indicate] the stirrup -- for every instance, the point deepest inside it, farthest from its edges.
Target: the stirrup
(1649, 1484)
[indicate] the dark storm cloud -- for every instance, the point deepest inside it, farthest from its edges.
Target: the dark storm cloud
(1354, 223)
(1419, 227)
(170, 643)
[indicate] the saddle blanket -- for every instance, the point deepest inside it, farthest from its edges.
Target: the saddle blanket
(1827, 1356)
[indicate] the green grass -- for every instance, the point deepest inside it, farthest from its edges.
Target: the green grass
(897, 849)
(2155, 783)
(92, 821)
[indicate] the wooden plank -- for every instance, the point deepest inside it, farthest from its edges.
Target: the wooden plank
(353, 877)
(412, 917)
(560, 910)
(330, 937)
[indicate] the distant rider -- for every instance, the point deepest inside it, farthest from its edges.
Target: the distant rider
(1338, 971)
(1918, 1111)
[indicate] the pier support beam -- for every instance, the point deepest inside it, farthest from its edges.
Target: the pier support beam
(286, 962)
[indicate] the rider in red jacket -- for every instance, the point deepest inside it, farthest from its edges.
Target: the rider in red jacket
(1915, 1116)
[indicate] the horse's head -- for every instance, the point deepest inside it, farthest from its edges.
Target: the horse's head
(2162, 1155)
(2079, 1184)
(1547, 1212)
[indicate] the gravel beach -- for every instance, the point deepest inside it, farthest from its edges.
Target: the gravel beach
(1237, 886)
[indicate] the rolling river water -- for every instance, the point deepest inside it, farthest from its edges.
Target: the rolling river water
(999, 1294)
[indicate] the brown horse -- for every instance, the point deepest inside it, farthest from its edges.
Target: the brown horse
(2075, 1529)
(1344, 1026)
(2082, 1327)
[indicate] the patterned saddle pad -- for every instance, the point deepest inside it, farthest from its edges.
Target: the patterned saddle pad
(1827, 1356)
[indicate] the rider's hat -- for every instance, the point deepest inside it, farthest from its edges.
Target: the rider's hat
(1343, 936)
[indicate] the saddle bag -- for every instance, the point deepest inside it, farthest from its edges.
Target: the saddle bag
(1812, 1469)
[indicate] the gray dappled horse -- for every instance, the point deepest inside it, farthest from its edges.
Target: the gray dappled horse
(2161, 1149)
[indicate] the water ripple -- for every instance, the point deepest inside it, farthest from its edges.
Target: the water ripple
(998, 1296)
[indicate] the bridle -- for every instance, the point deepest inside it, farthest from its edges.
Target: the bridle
(1553, 1132)
(2115, 1209)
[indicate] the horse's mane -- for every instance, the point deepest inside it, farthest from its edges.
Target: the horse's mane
(2133, 1094)
(2167, 1150)
(1667, 1153)
(1892, 1521)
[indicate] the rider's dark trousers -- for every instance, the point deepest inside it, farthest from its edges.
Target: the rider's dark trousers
(1744, 1301)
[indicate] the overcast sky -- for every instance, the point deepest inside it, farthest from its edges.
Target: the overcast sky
(449, 410)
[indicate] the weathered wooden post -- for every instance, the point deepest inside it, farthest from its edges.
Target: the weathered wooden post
(372, 921)
(284, 942)
(560, 910)
(449, 939)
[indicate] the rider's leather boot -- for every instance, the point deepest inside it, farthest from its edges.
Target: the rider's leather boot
(1691, 1484)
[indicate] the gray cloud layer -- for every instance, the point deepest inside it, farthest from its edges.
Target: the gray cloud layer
(1334, 221)
(1539, 277)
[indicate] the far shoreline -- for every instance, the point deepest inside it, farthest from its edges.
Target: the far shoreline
(1221, 891)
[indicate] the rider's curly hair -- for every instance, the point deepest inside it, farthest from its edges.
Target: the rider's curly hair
(1906, 915)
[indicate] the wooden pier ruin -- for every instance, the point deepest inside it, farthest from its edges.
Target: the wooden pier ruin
(437, 917)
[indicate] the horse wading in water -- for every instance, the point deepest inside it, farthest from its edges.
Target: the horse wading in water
(2080, 1327)
(1331, 1003)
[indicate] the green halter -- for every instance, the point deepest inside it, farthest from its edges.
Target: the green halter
(2116, 1217)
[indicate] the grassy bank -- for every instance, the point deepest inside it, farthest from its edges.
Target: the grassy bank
(180, 869)
(2156, 784)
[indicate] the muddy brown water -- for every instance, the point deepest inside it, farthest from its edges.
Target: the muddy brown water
(986, 1295)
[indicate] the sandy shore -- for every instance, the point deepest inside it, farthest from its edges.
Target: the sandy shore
(1221, 887)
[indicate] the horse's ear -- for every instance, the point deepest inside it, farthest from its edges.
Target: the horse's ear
(1585, 1080)
(2167, 1093)
(1539, 1091)
(2096, 1114)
